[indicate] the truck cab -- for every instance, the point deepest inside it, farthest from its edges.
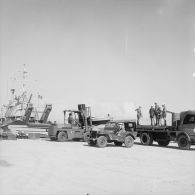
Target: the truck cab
(186, 129)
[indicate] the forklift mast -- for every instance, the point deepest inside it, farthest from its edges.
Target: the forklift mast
(85, 116)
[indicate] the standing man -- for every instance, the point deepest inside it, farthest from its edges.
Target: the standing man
(156, 112)
(139, 114)
(159, 115)
(164, 114)
(152, 114)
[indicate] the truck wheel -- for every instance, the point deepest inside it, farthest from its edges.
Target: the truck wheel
(129, 141)
(118, 143)
(183, 142)
(163, 143)
(101, 141)
(146, 139)
(62, 136)
(86, 136)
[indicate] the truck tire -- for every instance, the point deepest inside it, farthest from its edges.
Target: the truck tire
(163, 143)
(101, 141)
(86, 136)
(118, 143)
(183, 142)
(146, 139)
(62, 136)
(129, 141)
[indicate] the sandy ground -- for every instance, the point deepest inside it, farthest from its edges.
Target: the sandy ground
(45, 167)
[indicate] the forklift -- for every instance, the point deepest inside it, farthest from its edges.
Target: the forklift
(78, 129)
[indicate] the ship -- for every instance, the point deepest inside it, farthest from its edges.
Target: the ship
(21, 117)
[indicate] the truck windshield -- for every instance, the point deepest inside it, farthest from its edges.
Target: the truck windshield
(110, 125)
(189, 119)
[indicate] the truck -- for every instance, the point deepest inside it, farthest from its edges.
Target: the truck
(118, 132)
(182, 131)
(79, 129)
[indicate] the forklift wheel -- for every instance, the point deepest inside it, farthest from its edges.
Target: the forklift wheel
(62, 137)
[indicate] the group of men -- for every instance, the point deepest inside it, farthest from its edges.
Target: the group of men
(156, 114)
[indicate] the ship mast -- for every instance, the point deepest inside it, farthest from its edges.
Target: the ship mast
(24, 76)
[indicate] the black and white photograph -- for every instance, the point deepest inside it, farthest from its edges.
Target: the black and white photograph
(97, 97)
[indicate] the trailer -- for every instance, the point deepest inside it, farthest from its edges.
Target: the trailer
(181, 131)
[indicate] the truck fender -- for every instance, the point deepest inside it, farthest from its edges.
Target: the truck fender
(183, 133)
(105, 135)
(108, 137)
(129, 134)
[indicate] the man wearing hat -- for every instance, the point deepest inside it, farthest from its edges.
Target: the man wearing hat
(139, 114)
(164, 114)
(159, 115)
(156, 113)
(152, 114)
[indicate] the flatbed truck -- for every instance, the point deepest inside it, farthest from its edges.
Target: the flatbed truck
(181, 131)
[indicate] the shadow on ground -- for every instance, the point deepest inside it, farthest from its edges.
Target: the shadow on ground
(112, 144)
(167, 147)
(4, 163)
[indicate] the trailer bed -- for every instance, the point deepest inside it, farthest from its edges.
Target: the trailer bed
(154, 128)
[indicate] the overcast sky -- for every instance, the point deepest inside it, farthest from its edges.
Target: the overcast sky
(113, 55)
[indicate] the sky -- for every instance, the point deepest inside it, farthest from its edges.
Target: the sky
(112, 55)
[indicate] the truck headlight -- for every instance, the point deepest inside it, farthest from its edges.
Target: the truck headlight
(194, 130)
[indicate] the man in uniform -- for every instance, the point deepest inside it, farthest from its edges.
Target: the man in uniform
(139, 114)
(152, 113)
(159, 115)
(121, 129)
(156, 113)
(70, 119)
(164, 114)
